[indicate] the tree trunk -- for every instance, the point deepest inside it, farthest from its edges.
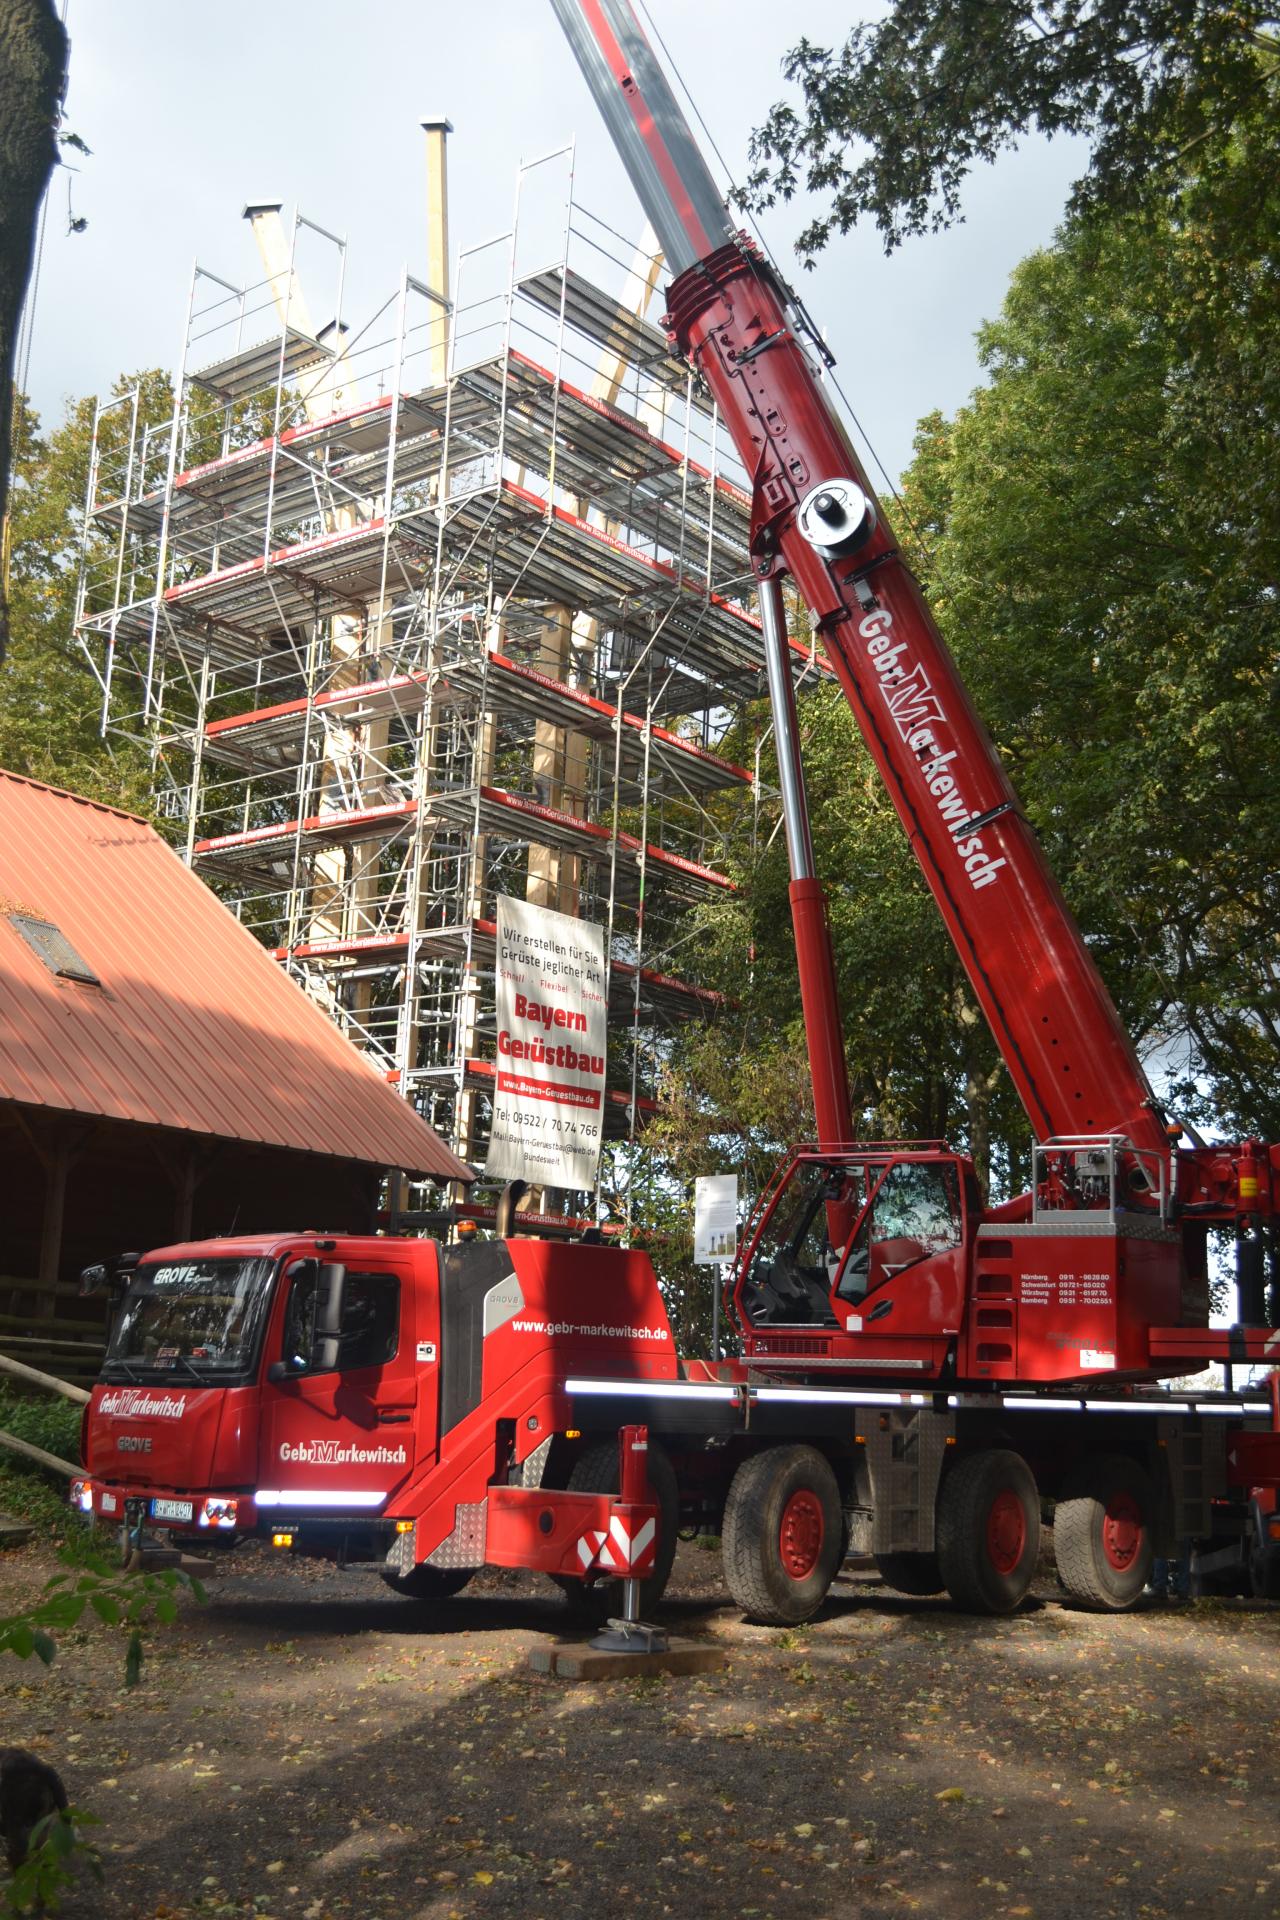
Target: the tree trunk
(33, 71)
(980, 1083)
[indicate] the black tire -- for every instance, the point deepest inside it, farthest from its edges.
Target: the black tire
(596, 1471)
(429, 1583)
(1264, 1573)
(1264, 1557)
(1102, 1534)
(988, 1531)
(783, 1535)
(915, 1573)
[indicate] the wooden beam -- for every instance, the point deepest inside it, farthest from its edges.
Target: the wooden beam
(55, 1207)
(38, 1454)
(49, 1381)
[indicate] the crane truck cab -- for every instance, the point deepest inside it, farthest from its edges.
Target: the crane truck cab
(371, 1399)
(860, 1255)
(882, 1259)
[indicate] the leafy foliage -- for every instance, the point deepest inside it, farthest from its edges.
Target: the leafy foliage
(28, 1491)
(58, 1848)
(50, 699)
(118, 1598)
(46, 1421)
(1101, 536)
(921, 1061)
(892, 122)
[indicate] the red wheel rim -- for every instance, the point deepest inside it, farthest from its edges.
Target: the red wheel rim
(1006, 1531)
(1122, 1531)
(800, 1535)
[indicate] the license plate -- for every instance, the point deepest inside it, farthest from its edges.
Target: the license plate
(173, 1509)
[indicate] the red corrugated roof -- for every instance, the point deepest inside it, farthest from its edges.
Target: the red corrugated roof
(194, 1026)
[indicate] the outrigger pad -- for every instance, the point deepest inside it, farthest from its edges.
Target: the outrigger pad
(591, 1663)
(630, 1636)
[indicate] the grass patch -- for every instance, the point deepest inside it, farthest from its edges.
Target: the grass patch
(27, 1491)
(39, 1499)
(44, 1420)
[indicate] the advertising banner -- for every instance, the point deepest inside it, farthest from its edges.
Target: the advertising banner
(548, 1103)
(715, 1218)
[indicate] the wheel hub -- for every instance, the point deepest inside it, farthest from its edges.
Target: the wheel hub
(800, 1535)
(1006, 1531)
(1122, 1531)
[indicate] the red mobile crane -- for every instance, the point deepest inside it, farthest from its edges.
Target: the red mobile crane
(917, 1371)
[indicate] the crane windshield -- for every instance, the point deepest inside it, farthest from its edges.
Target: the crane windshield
(199, 1318)
(914, 1212)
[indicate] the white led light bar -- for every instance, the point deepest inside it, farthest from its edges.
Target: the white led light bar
(318, 1497)
(832, 1397)
(653, 1389)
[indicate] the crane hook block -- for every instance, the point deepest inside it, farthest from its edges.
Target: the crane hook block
(837, 518)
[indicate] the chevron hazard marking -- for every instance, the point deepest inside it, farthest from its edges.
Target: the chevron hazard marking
(631, 1548)
(618, 1550)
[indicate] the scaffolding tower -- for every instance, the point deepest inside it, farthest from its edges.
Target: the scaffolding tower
(453, 605)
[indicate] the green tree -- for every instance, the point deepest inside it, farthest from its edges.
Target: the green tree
(1099, 534)
(1100, 530)
(50, 699)
(33, 62)
(891, 122)
(921, 1061)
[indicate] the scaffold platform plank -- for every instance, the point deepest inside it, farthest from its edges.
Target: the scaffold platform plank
(252, 368)
(340, 460)
(515, 817)
(492, 810)
(609, 458)
(334, 828)
(592, 448)
(532, 547)
(657, 991)
(334, 572)
(273, 735)
(614, 328)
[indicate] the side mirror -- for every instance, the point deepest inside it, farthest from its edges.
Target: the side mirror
(286, 1369)
(326, 1325)
(111, 1277)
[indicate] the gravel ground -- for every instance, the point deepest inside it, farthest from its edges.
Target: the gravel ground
(308, 1744)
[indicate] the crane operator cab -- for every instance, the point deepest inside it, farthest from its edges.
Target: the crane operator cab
(869, 1243)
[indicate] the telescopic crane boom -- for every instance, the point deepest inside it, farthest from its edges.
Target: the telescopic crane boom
(816, 519)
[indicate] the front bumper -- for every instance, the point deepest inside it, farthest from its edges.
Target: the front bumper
(211, 1513)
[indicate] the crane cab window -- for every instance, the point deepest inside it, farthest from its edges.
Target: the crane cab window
(370, 1332)
(914, 1212)
(801, 1245)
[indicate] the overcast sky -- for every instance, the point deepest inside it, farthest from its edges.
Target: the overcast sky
(194, 108)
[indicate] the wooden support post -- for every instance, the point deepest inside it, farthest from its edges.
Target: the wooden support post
(56, 1166)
